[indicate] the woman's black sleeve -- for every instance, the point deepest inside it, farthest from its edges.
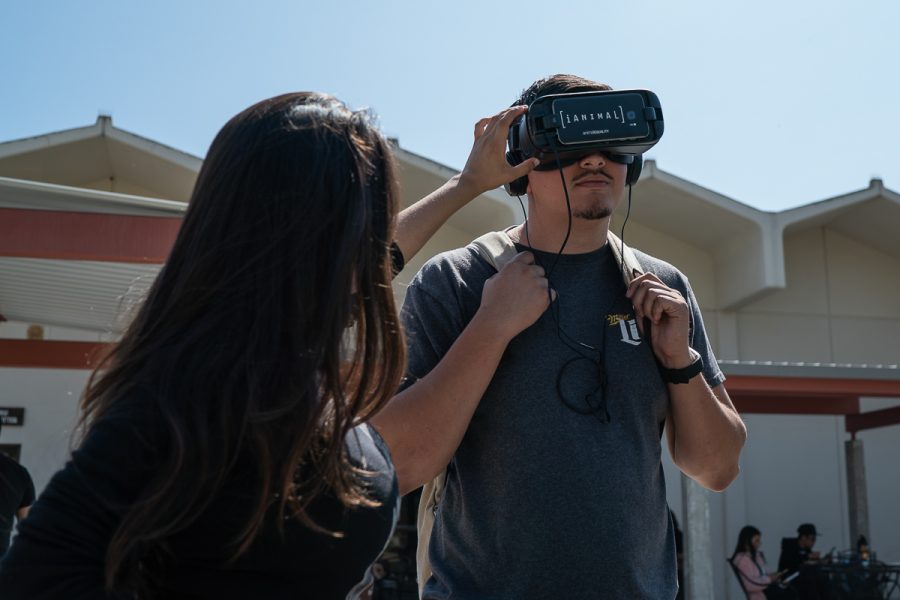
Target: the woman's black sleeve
(60, 549)
(397, 260)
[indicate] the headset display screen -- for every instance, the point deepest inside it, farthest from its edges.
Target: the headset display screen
(600, 118)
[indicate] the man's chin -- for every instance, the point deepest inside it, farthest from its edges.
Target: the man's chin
(593, 214)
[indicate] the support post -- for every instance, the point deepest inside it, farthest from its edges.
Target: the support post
(698, 572)
(857, 499)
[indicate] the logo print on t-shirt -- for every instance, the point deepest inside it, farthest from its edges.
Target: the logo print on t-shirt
(628, 327)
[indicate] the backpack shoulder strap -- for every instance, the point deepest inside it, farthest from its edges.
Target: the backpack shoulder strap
(428, 504)
(496, 247)
(625, 258)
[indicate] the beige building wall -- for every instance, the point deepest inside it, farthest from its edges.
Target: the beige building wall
(841, 304)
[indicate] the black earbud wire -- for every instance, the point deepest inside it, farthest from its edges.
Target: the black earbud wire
(570, 342)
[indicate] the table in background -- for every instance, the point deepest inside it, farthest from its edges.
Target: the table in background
(861, 580)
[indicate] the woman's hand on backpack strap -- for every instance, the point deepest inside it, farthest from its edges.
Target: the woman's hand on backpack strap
(515, 298)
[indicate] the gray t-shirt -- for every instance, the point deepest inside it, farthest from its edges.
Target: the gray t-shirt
(557, 489)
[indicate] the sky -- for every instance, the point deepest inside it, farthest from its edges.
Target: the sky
(772, 104)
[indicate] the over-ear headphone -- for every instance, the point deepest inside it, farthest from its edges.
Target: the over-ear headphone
(519, 186)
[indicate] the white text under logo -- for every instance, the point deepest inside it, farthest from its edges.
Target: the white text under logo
(628, 327)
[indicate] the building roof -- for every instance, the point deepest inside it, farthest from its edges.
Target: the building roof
(747, 244)
(101, 169)
(138, 184)
(102, 156)
(813, 370)
(870, 215)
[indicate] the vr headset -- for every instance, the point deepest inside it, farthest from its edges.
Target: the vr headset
(559, 129)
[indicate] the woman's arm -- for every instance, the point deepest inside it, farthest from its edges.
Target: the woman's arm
(486, 169)
(425, 423)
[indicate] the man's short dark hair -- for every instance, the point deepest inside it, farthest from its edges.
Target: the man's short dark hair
(807, 529)
(558, 84)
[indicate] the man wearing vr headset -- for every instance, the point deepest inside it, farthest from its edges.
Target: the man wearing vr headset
(555, 487)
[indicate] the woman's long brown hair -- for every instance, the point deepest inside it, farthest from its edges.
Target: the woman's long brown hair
(242, 340)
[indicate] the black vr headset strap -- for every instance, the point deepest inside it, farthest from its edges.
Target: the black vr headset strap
(516, 187)
(634, 170)
(515, 156)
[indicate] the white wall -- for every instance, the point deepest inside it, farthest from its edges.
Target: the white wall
(50, 398)
(882, 449)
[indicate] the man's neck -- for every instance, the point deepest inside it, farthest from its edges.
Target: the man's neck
(587, 235)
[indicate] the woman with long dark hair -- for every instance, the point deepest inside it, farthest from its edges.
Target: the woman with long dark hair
(749, 564)
(225, 449)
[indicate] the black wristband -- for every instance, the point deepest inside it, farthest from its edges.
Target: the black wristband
(397, 261)
(684, 374)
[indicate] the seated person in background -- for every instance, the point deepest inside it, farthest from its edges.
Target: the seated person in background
(797, 555)
(797, 551)
(16, 497)
(862, 548)
(750, 565)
